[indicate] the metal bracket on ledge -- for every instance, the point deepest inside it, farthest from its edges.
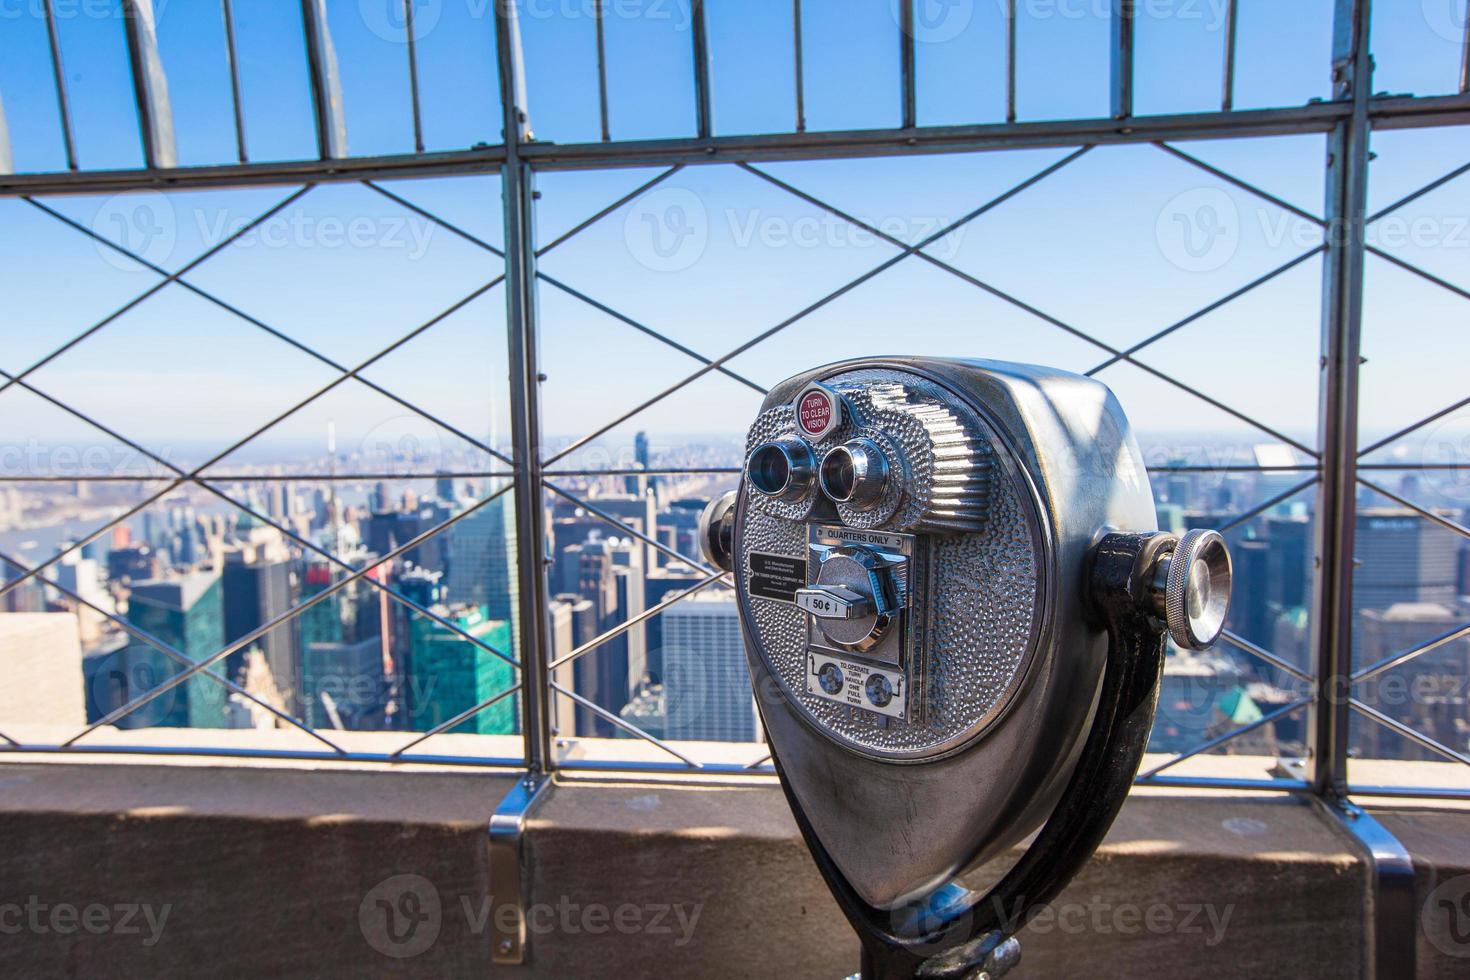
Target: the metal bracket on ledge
(1392, 913)
(509, 881)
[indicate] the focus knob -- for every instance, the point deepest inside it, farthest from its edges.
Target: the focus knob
(1196, 587)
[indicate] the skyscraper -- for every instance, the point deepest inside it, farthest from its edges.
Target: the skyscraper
(187, 613)
(482, 569)
(344, 685)
(255, 593)
(706, 683)
(450, 674)
(1404, 559)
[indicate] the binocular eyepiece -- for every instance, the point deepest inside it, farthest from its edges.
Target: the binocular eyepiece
(853, 473)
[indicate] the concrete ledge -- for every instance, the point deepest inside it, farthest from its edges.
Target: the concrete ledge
(287, 872)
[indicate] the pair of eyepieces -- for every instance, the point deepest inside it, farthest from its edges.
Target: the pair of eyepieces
(853, 473)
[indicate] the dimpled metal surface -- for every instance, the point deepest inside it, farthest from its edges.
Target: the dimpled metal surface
(977, 628)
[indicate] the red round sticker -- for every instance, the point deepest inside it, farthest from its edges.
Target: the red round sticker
(815, 412)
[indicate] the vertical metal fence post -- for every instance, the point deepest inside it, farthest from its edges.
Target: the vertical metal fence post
(1122, 58)
(1342, 314)
(7, 164)
(525, 400)
(326, 81)
(150, 85)
(1389, 939)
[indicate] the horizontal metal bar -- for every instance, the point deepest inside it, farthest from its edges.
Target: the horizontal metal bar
(504, 762)
(1387, 113)
(1412, 734)
(1315, 118)
(1233, 468)
(1226, 783)
(1411, 792)
(270, 477)
(634, 767)
(467, 163)
(655, 471)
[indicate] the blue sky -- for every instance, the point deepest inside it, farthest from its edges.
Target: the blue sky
(1099, 245)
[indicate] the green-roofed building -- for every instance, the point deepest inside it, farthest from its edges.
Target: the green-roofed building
(450, 674)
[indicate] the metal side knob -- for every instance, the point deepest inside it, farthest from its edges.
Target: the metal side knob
(1196, 580)
(717, 531)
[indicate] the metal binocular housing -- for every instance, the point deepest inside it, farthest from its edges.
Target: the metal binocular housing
(954, 598)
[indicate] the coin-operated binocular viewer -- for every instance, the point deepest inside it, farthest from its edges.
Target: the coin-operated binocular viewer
(954, 603)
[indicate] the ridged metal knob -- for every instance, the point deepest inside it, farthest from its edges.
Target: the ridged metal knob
(717, 531)
(1197, 589)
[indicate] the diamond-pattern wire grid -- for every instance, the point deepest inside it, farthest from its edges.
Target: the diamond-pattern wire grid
(196, 477)
(1115, 355)
(1332, 115)
(906, 250)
